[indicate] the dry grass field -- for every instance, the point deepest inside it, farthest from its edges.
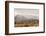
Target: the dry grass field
(27, 23)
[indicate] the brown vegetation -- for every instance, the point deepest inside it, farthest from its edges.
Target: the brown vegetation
(27, 23)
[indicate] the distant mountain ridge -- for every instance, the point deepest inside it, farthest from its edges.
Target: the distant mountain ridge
(23, 18)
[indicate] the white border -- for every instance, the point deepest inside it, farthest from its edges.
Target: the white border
(12, 29)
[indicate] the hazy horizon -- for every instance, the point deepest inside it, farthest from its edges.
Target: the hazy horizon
(29, 13)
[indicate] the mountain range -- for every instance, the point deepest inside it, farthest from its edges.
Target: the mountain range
(23, 18)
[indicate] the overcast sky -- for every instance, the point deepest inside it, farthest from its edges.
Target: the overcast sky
(24, 12)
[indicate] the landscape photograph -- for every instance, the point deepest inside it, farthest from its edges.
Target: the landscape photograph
(26, 17)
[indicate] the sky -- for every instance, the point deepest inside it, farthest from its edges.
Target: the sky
(26, 12)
